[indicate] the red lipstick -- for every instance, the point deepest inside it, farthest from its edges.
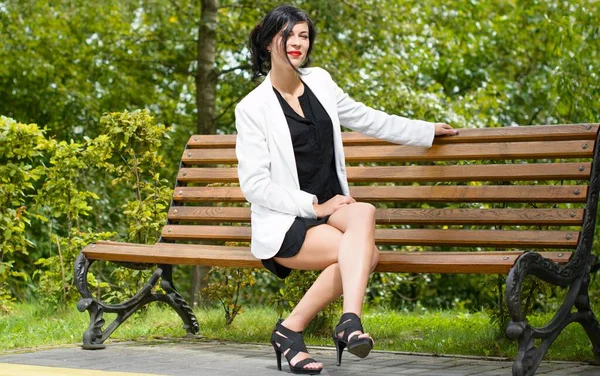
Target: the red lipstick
(294, 53)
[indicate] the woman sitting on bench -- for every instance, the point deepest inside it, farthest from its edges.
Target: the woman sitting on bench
(292, 170)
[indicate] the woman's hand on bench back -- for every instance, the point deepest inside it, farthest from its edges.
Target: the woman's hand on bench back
(443, 129)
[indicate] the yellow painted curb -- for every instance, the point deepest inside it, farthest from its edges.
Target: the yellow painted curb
(9, 369)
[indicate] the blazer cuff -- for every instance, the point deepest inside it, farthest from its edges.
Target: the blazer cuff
(305, 203)
(428, 132)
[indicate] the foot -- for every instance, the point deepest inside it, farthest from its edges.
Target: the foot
(349, 333)
(355, 334)
(316, 366)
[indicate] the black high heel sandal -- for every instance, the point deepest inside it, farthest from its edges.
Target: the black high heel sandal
(361, 347)
(295, 343)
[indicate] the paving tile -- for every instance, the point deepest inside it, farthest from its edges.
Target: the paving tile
(590, 373)
(500, 372)
(218, 358)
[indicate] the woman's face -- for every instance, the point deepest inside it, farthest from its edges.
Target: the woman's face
(295, 50)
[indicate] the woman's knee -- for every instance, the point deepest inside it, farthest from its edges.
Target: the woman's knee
(364, 207)
(362, 211)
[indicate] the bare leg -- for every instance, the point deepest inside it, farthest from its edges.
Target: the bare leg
(321, 250)
(357, 222)
(357, 254)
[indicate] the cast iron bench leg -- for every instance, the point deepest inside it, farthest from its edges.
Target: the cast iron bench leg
(585, 316)
(176, 301)
(575, 275)
(94, 336)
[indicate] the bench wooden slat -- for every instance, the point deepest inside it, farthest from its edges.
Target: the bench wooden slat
(539, 217)
(406, 216)
(507, 150)
(173, 254)
(500, 134)
(440, 193)
(403, 153)
(390, 261)
(418, 237)
(458, 263)
(508, 172)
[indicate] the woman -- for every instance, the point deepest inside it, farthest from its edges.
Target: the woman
(292, 170)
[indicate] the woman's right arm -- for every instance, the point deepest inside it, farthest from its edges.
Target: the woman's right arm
(254, 171)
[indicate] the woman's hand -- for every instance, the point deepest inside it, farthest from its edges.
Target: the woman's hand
(332, 205)
(443, 129)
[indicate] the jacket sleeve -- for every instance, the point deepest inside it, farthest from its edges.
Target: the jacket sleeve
(254, 171)
(378, 124)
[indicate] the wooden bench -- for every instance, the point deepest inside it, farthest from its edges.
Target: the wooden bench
(516, 200)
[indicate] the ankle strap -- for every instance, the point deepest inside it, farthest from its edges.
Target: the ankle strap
(288, 339)
(349, 323)
(350, 316)
(287, 332)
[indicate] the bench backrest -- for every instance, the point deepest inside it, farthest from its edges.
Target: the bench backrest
(485, 189)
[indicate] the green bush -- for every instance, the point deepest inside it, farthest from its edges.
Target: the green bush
(21, 150)
(60, 184)
(228, 287)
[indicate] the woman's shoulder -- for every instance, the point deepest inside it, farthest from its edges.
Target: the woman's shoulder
(252, 100)
(317, 71)
(317, 76)
(258, 96)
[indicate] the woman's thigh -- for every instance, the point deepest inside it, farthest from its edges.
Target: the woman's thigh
(319, 250)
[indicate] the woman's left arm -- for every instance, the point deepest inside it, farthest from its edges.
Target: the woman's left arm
(393, 128)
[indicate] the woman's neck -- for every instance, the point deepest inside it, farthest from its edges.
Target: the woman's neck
(285, 80)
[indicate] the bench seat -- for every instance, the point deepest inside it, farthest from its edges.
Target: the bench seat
(390, 261)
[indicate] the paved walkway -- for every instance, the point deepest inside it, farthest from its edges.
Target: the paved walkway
(202, 357)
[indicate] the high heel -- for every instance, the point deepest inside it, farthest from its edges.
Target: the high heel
(361, 347)
(288, 339)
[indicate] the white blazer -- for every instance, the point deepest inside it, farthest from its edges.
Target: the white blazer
(266, 163)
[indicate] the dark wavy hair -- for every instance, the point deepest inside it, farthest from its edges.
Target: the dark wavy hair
(281, 19)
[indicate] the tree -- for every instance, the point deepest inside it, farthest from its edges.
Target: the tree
(65, 63)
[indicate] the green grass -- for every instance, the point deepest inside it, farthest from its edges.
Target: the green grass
(440, 332)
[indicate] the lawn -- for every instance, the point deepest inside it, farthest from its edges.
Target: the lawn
(438, 332)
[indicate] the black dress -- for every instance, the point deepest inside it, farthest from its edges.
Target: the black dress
(312, 139)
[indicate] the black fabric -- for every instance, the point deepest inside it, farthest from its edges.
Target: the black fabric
(312, 139)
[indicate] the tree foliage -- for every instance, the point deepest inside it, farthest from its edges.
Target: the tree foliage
(64, 64)
(470, 63)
